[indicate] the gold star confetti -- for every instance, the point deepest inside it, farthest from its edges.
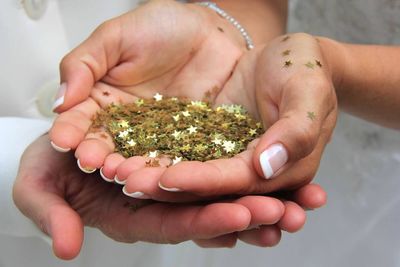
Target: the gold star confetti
(177, 129)
(123, 134)
(131, 143)
(158, 97)
(286, 53)
(123, 124)
(311, 115)
(153, 154)
(176, 160)
(177, 134)
(229, 146)
(318, 63)
(139, 102)
(176, 117)
(252, 132)
(192, 129)
(186, 113)
(287, 63)
(309, 65)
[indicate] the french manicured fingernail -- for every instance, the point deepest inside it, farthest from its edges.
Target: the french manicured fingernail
(272, 159)
(60, 96)
(59, 149)
(169, 189)
(139, 195)
(85, 169)
(105, 178)
(118, 181)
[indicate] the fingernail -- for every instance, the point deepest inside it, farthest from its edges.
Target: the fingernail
(59, 149)
(104, 177)
(118, 181)
(86, 169)
(169, 189)
(60, 96)
(139, 195)
(272, 159)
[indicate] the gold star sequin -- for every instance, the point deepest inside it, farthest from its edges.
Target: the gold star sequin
(217, 141)
(192, 129)
(309, 65)
(311, 115)
(158, 97)
(287, 63)
(240, 116)
(286, 52)
(131, 143)
(123, 134)
(176, 117)
(200, 148)
(176, 160)
(198, 104)
(186, 113)
(229, 146)
(123, 124)
(139, 102)
(185, 148)
(177, 134)
(252, 132)
(153, 154)
(318, 63)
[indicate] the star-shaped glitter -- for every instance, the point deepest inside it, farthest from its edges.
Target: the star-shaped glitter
(158, 97)
(186, 113)
(153, 154)
(192, 129)
(311, 115)
(288, 63)
(139, 102)
(199, 104)
(123, 124)
(153, 136)
(240, 116)
(252, 132)
(309, 65)
(318, 63)
(176, 117)
(217, 141)
(229, 146)
(286, 52)
(176, 160)
(200, 148)
(123, 134)
(185, 148)
(131, 143)
(174, 98)
(177, 134)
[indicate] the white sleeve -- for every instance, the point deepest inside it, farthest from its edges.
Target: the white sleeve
(15, 135)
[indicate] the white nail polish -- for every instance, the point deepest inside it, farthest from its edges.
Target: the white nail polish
(272, 159)
(60, 96)
(123, 182)
(138, 195)
(85, 170)
(169, 189)
(59, 149)
(104, 177)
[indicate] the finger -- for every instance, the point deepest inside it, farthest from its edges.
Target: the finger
(143, 184)
(264, 210)
(293, 219)
(264, 236)
(87, 64)
(216, 177)
(111, 163)
(166, 223)
(224, 241)
(54, 216)
(311, 196)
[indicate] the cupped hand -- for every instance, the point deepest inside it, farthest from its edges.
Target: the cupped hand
(60, 199)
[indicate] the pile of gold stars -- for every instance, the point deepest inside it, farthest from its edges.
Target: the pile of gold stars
(178, 128)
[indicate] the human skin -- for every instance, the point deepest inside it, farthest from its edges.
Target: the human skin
(60, 200)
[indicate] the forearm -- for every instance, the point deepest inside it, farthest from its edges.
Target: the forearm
(367, 80)
(262, 19)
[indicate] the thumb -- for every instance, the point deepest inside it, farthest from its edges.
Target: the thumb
(54, 217)
(86, 64)
(302, 109)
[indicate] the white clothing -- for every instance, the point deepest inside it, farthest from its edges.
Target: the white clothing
(360, 169)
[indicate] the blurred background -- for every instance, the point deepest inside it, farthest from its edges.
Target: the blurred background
(360, 169)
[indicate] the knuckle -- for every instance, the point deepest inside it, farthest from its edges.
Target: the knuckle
(306, 139)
